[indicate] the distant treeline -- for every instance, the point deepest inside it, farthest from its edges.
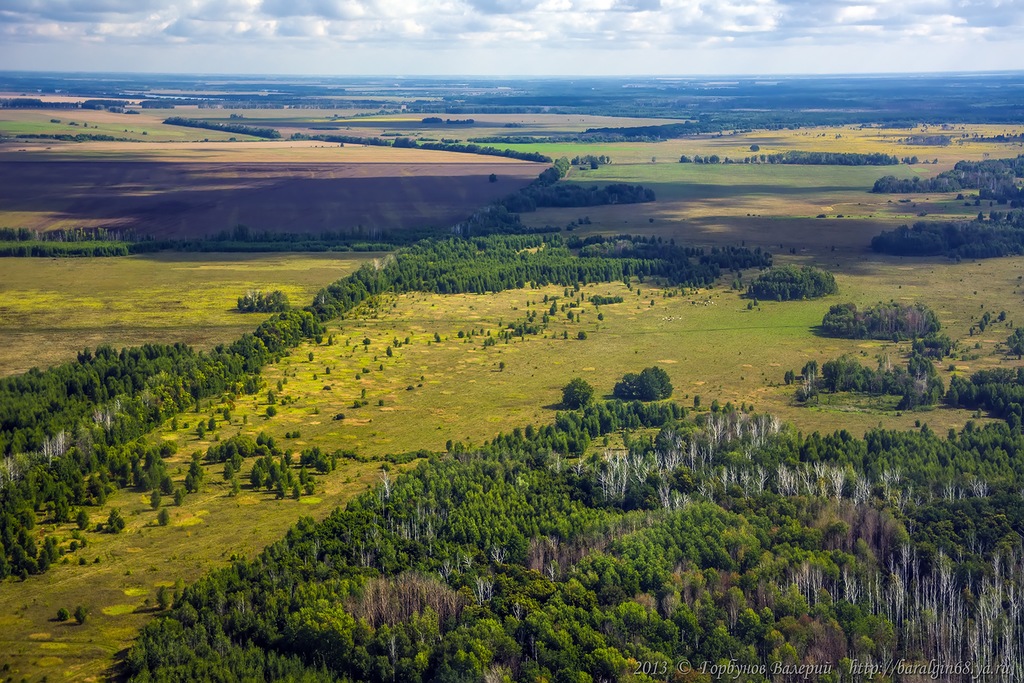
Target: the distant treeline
(801, 158)
(410, 143)
(994, 179)
(892, 320)
(786, 283)
(449, 122)
(34, 103)
(240, 129)
(573, 194)
(72, 137)
(1001, 235)
(1019, 137)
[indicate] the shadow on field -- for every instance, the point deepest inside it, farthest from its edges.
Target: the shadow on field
(188, 200)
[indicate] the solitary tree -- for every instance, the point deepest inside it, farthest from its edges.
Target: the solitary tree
(577, 394)
(115, 522)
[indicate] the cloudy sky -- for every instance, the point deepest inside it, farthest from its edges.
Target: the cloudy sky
(512, 37)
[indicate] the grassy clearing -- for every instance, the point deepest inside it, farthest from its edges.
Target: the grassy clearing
(708, 342)
(122, 573)
(52, 308)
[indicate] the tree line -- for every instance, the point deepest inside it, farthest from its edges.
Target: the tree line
(239, 128)
(796, 157)
(1001, 235)
(995, 179)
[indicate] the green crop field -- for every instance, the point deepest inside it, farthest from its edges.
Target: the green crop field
(52, 308)
(143, 127)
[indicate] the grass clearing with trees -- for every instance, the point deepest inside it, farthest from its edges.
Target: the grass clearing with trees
(449, 383)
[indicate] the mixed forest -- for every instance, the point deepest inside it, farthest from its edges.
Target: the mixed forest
(642, 531)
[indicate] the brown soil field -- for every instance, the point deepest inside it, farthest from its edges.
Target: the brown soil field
(189, 199)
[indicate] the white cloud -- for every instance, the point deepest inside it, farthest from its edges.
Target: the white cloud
(516, 28)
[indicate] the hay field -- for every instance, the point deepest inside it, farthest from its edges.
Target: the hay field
(50, 309)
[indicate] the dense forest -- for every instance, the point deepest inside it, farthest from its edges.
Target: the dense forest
(1001, 235)
(995, 179)
(721, 539)
(892, 320)
(999, 391)
(786, 283)
(70, 431)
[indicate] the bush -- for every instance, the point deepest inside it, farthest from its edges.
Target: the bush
(63, 614)
(81, 614)
(115, 522)
(163, 518)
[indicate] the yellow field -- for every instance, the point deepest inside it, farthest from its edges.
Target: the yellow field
(50, 309)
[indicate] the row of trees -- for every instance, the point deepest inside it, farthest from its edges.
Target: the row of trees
(256, 301)
(795, 157)
(240, 128)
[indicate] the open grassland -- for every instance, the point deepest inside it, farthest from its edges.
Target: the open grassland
(52, 308)
(350, 193)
